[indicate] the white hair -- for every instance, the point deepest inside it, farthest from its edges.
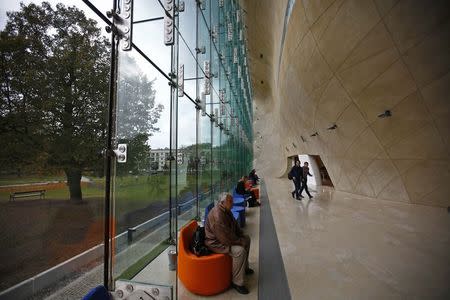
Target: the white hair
(223, 197)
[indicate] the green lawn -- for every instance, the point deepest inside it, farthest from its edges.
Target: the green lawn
(131, 192)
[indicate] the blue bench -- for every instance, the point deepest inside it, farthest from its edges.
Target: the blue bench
(236, 213)
(239, 202)
(98, 293)
(241, 211)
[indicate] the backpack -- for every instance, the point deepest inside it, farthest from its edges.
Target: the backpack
(198, 242)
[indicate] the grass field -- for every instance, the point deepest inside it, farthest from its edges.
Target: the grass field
(131, 192)
(51, 230)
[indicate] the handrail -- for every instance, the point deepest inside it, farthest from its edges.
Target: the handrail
(48, 277)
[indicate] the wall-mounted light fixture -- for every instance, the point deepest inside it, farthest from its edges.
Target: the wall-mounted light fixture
(295, 146)
(315, 134)
(387, 113)
(332, 127)
(287, 149)
(303, 139)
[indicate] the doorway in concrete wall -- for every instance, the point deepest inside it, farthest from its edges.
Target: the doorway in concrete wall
(324, 176)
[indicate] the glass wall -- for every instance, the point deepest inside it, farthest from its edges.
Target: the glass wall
(55, 68)
(114, 137)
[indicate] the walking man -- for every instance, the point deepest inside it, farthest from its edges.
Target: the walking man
(305, 174)
(296, 174)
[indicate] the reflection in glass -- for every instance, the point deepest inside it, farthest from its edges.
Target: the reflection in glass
(54, 103)
(141, 185)
(186, 161)
(53, 107)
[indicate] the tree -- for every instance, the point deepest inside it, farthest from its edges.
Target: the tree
(136, 110)
(136, 115)
(54, 90)
(24, 83)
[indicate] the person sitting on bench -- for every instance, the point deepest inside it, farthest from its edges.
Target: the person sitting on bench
(241, 190)
(223, 235)
(253, 177)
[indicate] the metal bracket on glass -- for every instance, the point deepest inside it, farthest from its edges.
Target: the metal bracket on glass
(216, 117)
(123, 23)
(230, 32)
(203, 103)
(181, 6)
(169, 36)
(201, 50)
(181, 80)
(201, 4)
(121, 153)
(214, 33)
(131, 290)
(198, 104)
(207, 86)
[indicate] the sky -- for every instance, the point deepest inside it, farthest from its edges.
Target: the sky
(149, 38)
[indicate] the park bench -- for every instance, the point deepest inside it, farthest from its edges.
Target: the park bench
(37, 193)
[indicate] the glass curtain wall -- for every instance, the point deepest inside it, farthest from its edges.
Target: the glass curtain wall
(132, 142)
(187, 115)
(55, 67)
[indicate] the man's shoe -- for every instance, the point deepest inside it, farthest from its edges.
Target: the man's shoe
(241, 289)
(310, 197)
(249, 271)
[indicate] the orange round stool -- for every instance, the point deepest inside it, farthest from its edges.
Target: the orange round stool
(204, 275)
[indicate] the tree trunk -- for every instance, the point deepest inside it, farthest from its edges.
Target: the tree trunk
(74, 183)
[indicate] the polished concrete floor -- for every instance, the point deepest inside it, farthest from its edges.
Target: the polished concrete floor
(344, 246)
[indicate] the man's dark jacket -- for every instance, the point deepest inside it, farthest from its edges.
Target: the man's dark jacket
(297, 172)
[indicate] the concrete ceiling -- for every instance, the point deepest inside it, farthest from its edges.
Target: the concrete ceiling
(345, 62)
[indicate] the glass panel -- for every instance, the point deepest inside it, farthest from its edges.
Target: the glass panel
(147, 9)
(204, 167)
(216, 178)
(187, 58)
(55, 128)
(141, 185)
(205, 130)
(187, 149)
(53, 108)
(153, 47)
(187, 26)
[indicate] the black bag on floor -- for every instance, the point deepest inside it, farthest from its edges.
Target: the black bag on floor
(198, 242)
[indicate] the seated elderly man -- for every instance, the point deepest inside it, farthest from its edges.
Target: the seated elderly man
(223, 235)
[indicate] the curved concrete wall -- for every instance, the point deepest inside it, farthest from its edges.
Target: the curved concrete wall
(344, 62)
